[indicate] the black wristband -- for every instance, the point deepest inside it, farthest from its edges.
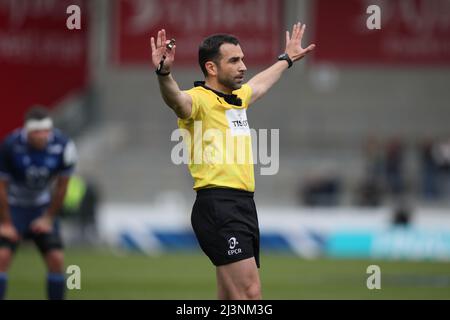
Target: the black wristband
(285, 56)
(159, 73)
(160, 66)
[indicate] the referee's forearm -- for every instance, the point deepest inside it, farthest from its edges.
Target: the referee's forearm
(169, 90)
(172, 95)
(264, 80)
(271, 74)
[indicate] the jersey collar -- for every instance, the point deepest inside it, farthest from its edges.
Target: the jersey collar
(229, 98)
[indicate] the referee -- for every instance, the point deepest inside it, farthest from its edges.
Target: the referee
(224, 215)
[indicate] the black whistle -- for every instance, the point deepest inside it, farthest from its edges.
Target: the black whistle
(170, 44)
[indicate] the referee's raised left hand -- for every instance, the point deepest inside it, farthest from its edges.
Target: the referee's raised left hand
(294, 43)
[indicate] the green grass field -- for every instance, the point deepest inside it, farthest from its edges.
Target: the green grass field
(107, 275)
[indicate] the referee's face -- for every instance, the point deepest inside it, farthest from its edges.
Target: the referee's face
(231, 68)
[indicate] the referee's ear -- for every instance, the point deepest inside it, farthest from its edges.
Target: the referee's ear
(211, 68)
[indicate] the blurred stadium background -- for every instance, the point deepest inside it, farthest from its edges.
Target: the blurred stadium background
(364, 167)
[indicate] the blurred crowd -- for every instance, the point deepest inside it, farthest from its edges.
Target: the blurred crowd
(386, 176)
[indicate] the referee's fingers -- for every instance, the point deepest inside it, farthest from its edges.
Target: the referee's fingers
(310, 47)
(172, 51)
(152, 44)
(301, 32)
(163, 37)
(158, 39)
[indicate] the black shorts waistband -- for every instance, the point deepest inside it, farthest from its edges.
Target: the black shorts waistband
(207, 192)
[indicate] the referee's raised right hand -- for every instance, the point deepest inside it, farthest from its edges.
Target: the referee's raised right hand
(160, 51)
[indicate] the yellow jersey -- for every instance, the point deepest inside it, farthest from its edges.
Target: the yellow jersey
(218, 138)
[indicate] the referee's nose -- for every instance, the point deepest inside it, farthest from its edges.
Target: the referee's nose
(242, 67)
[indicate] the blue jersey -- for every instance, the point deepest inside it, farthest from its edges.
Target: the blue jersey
(30, 172)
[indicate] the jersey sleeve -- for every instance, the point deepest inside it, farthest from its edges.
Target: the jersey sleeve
(69, 159)
(5, 165)
(196, 104)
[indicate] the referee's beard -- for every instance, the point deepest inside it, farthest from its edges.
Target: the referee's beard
(231, 82)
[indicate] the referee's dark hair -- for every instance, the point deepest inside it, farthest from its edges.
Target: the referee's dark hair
(209, 49)
(37, 113)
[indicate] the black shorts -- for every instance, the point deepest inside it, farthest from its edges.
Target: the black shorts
(226, 225)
